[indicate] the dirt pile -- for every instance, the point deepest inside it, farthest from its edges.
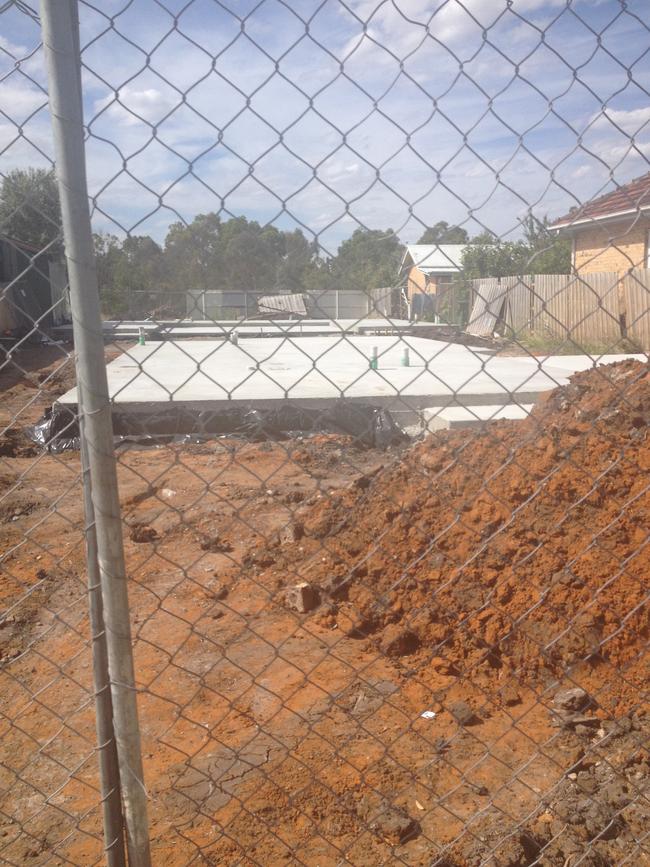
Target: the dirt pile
(517, 554)
(596, 814)
(413, 715)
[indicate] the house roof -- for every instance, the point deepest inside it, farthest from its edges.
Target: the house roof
(626, 200)
(435, 258)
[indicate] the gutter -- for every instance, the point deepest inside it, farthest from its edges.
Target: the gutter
(606, 218)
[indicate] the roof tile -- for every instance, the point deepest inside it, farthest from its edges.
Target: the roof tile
(629, 197)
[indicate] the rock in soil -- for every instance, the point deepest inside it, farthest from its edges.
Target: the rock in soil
(302, 597)
(395, 826)
(463, 713)
(291, 533)
(142, 533)
(397, 641)
(571, 699)
(366, 703)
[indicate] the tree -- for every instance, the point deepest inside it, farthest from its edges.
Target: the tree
(130, 274)
(368, 260)
(29, 208)
(108, 256)
(539, 252)
(550, 254)
(495, 259)
(193, 254)
(443, 233)
(237, 254)
(299, 268)
(140, 275)
(251, 255)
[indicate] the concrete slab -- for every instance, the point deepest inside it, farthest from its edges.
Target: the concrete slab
(126, 330)
(221, 329)
(297, 328)
(451, 417)
(262, 371)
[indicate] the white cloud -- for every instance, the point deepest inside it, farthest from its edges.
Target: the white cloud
(16, 50)
(403, 23)
(431, 36)
(630, 121)
(581, 172)
(20, 99)
(130, 105)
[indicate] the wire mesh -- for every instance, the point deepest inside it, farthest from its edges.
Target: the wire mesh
(383, 490)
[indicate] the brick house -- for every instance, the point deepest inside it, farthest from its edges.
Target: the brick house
(428, 272)
(610, 233)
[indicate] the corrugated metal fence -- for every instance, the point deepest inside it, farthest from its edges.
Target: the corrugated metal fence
(323, 304)
(589, 308)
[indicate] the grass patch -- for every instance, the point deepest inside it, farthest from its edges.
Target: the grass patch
(545, 343)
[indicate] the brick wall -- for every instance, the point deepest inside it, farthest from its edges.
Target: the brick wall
(615, 247)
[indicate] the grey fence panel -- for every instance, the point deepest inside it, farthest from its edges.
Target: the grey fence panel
(339, 303)
(489, 304)
(282, 304)
(381, 302)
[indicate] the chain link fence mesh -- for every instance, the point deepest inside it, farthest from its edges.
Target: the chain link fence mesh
(383, 490)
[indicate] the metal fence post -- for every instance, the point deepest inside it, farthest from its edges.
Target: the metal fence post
(60, 40)
(109, 774)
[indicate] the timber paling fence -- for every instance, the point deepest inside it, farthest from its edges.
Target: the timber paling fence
(246, 619)
(591, 308)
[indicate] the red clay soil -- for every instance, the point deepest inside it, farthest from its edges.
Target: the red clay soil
(521, 553)
(473, 576)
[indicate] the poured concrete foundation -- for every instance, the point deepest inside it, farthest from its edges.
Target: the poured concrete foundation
(260, 372)
(451, 417)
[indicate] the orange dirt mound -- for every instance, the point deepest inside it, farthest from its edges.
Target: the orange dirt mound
(518, 553)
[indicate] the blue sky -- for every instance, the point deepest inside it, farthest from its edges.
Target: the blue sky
(329, 114)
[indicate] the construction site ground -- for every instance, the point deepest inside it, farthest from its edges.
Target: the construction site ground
(411, 715)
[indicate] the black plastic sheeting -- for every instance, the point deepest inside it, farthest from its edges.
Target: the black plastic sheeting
(371, 426)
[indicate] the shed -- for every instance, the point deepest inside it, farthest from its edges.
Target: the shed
(33, 288)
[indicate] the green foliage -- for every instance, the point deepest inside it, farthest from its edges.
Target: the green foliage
(443, 233)
(498, 259)
(236, 254)
(551, 254)
(206, 254)
(369, 259)
(29, 208)
(540, 252)
(108, 258)
(192, 254)
(239, 254)
(130, 274)
(546, 343)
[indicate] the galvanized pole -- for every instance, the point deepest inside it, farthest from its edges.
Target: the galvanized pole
(109, 773)
(59, 23)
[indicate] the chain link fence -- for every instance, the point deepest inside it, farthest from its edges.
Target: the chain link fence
(323, 453)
